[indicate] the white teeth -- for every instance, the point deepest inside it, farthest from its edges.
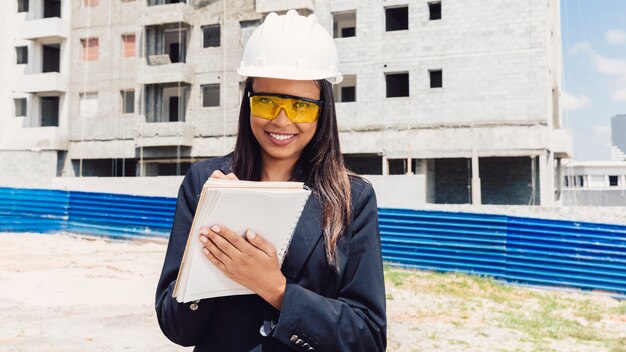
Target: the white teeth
(282, 137)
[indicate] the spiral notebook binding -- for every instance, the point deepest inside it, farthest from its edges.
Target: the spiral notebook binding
(283, 250)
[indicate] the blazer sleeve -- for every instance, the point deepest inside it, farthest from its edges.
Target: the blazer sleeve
(356, 320)
(178, 321)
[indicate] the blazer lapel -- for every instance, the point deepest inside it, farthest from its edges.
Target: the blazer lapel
(306, 236)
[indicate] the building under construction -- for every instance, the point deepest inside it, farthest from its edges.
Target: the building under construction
(464, 93)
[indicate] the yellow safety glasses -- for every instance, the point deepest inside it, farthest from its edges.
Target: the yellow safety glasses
(298, 109)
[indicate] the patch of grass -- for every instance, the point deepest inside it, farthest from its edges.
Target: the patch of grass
(616, 345)
(457, 324)
(514, 305)
(396, 276)
(451, 285)
(458, 342)
(551, 303)
(547, 324)
(472, 287)
(590, 311)
(539, 317)
(620, 309)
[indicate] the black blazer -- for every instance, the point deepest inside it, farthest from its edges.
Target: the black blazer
(322, 310)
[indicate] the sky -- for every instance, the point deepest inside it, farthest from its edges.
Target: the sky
(594, 72)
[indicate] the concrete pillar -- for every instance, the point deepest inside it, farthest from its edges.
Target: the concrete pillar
(385, 165)
(476, 193)
(141, 169)
(558, 179)
(546, 179)
(428, 167)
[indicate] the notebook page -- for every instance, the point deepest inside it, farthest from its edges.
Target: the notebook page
(208, 199)
(272, 213)
(225, 183)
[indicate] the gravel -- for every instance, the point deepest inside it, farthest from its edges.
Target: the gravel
(63, 293)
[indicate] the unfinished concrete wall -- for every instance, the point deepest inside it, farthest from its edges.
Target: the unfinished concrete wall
(399, 191)
(493, 58)
(500, 65)
(493, 61)
(34, 79)
(106, 76)
(27, 169)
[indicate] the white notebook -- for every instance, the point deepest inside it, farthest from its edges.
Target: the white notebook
(271, 209)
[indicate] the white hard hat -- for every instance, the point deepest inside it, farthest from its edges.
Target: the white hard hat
(291, 47)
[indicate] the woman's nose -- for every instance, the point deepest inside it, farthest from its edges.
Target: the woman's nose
(282, 119)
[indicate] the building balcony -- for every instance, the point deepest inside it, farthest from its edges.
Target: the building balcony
(48, 82)
(53, 29)
(38, 138)
(166, 73)
(561, 143)
(266, 6)
(168, 13)
(164, 134)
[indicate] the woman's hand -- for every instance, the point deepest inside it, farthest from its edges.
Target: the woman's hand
(220, 174)
(251, 261)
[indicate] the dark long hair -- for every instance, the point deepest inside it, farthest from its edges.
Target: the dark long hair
(321, 166)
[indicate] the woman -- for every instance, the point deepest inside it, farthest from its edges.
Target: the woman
(329, 293)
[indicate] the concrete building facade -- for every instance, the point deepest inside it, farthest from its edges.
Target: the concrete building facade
(464, 93)
(34, 63)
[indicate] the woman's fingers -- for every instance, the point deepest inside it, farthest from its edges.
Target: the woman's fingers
(225, 235)
(219, 238)
(261, 243)
(219, 174)
(214, 259)
(250, 261)
(221, 252)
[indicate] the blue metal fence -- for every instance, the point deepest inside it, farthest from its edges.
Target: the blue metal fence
(33, 210)
(103, 214)
(516, 249)
(120, 216)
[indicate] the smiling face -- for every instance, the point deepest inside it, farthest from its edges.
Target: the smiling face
(280, 139)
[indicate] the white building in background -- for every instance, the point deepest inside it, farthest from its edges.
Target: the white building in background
(592, 183)
(463, 93)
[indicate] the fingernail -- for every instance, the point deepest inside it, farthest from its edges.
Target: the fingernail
(206, 251)
(251, 235)
(216, 229)
(204, 232)
(203, 239)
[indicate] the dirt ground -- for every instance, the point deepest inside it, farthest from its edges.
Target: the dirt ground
(62, 293)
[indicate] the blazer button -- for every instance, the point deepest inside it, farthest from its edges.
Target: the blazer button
(299, 342)
(293, 338)
(263, 332)
(305, 346)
